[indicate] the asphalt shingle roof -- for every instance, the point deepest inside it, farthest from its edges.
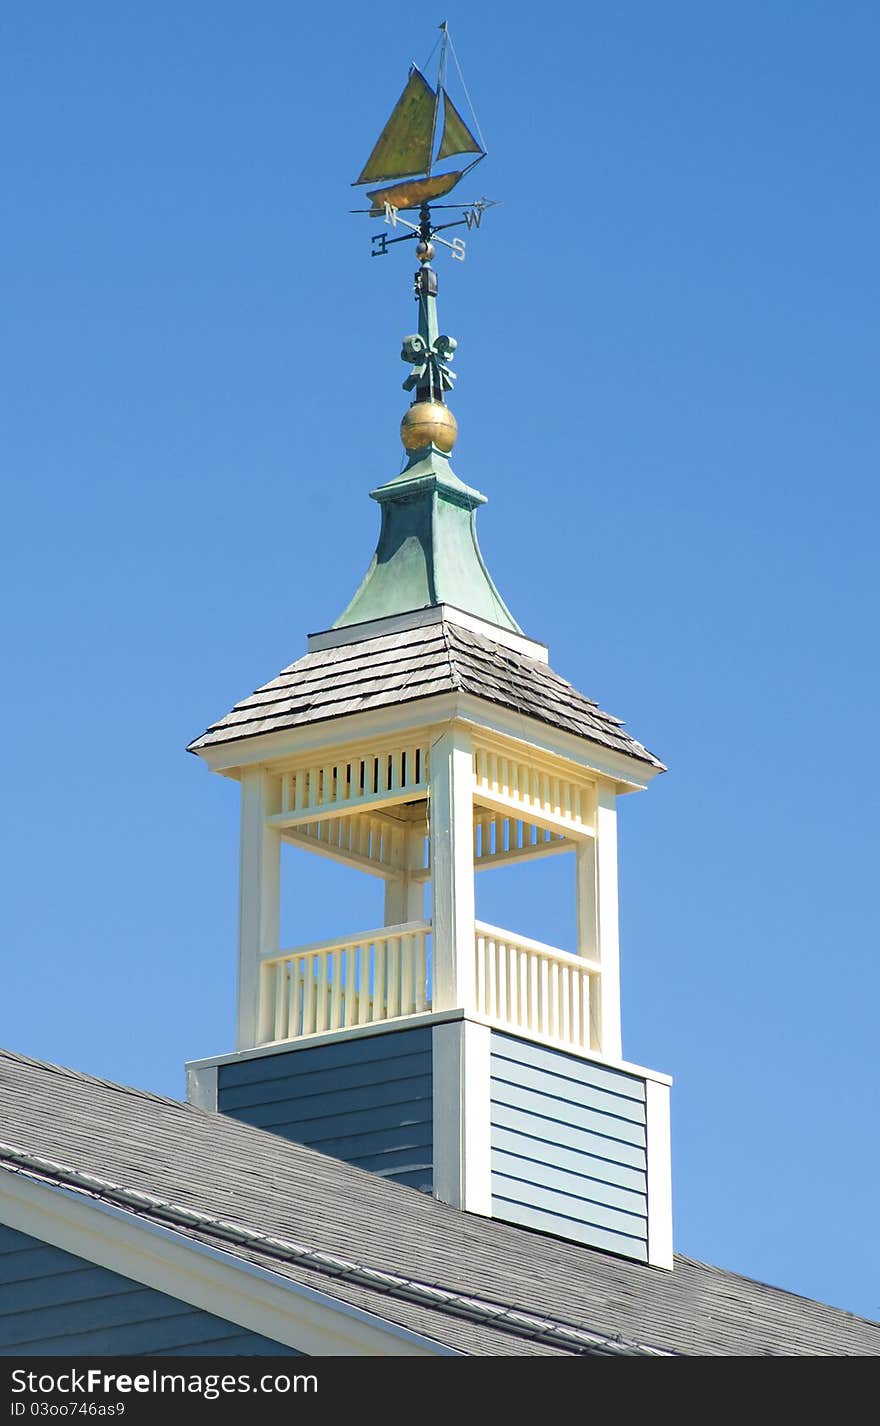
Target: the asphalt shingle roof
(398, 668)
(224, 1168)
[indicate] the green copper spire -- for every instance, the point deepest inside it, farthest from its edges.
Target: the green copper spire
(428, 551)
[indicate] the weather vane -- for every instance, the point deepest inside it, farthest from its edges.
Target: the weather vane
(403, 162)
(406, 153)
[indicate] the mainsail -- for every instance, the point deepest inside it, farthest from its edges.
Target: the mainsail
(404, 145)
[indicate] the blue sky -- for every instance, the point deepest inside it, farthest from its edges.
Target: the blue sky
(668, 361)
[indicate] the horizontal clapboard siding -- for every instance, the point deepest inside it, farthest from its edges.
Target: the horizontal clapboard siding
(568, 1147)
(55, 1304)
(366, 1100)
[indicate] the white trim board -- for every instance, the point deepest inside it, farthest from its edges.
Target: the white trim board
(253, 1297)
(412, 1022)
(631, 774)
(421, 618)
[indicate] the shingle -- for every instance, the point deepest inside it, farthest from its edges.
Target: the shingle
(418, 663)
(229, 1169)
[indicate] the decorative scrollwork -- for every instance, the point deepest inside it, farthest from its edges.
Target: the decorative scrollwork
(429, 364)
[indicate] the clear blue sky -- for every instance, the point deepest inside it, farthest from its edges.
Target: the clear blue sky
(668, 377)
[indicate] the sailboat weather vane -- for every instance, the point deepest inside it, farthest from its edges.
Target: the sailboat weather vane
(405, 149)
(403, 162)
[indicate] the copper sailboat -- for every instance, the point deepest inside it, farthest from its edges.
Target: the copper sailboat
(404, 156)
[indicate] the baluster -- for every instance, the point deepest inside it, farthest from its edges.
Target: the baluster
(534, 993)
(501, 972)
(555, 796)
(481, 975)
(364, 972)
(379, 992)
(406, 974)
(586, 1017)
(564, 991)
(394, 976)
(575, 1007)
(421, 970)
(321, 992)
(349, 1004)
(334, 972)
(544, 790)
(554, 1000)
(544, 1003)
(279, 1007)
(491, 978)
(294, 989)
(308, 979)
(513, 990)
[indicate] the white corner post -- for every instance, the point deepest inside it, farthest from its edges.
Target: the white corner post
(259, 895)
(202, 1086)
(659, 1153)
(462, 1115)
(597, 918)
(451, 817)
(404, 896)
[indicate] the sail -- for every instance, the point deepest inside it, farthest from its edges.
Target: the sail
(404, 145)
(457, 137)
(414, 192)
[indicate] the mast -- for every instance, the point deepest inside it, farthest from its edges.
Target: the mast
(440, 66)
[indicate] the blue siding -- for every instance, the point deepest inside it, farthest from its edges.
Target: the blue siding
(367, 1100)
(568, 1147)
(55, 1304)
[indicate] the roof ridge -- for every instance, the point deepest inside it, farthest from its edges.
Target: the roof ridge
(455, 672)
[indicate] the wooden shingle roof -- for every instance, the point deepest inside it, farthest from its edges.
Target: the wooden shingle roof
(483, 1272)
(418, 663)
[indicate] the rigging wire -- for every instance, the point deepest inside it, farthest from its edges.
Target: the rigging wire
(466, 94)
(431, 55)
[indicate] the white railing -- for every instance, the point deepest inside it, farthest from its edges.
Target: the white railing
(363, 778)
(536, 988)
(537, 790)
(335, 985)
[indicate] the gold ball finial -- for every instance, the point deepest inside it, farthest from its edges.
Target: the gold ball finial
(428, 423)
(425, 250)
